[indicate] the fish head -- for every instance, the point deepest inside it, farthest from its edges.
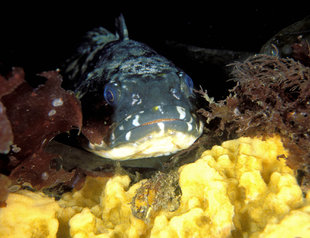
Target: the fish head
(153, 115)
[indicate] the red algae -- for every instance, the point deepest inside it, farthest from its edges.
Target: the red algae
(29, 119)
(37, 115)
(272, 96)
(5, 182)
(7, 86)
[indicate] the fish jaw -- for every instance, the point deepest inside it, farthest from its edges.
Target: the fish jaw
(159, 137)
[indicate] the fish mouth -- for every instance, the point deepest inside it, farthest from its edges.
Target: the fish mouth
(159, 120)
(150, 138)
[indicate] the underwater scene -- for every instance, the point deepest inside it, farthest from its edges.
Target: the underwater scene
(140, 123)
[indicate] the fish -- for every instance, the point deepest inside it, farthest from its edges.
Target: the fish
(282, 43)
(141, 103)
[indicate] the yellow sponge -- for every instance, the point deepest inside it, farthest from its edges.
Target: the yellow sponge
(29, 214)
(242, 188)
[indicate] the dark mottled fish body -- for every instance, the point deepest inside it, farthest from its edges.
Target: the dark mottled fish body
(152, 114)
(281, 44)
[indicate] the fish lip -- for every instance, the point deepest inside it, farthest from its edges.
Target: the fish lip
(163, 114)
(146, 124)
(171, 124)
(136, 127)
(143, 148)
(158, 121)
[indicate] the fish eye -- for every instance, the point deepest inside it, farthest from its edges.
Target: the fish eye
(274, 51)
(110, 94)
(188, 81)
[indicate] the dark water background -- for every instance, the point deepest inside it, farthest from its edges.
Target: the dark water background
(41, 37)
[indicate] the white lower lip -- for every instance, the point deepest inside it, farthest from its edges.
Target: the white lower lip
(153, 145)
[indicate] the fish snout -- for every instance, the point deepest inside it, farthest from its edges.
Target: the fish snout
(161, 130)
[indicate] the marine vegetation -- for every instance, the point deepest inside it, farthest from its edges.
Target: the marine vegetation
(241, 188)
(29, 119)
(292, 42)
(116, 82)
(272, 96)
(243, 185)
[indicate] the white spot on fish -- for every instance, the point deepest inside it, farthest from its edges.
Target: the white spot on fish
(141, 112)
(127, 136)
(136, 99)
(160, 109)
(200, 127)
(89, 75)
(141, 68)
(52, 112)
(175, 93)
(181, 111)
(91, 145)
(127, 118)
(161, 126)
(112, 136)
(191, 120)
(135, 121)
(189, 126)
(57, 102)
(95, 145)
(121, 128)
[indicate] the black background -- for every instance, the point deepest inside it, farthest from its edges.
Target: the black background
(40, 37)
